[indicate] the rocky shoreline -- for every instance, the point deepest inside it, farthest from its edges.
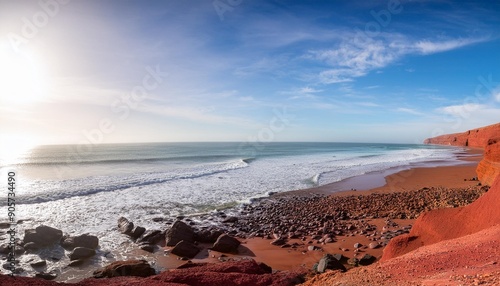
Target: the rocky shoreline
(305, 223)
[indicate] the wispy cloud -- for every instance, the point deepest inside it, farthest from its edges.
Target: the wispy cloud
(367, 104)
(308, 89)
(410, 111)
(351, 59)
(426, 47)
(463, 110)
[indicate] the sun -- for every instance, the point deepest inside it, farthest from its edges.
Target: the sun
(22, 79)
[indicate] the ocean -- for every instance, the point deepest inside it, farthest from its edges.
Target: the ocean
(85, 189)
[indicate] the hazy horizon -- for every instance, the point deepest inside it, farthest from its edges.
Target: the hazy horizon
(92, 72)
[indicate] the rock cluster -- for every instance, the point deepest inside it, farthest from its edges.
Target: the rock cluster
(78, 248)
(183, 238)
(322, 218)
(146, 239)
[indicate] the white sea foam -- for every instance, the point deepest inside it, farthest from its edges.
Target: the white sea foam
(92, 204)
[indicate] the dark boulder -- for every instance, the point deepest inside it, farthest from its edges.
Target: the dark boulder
(42, 235)
(84, 240)
(226, 244)
(151, 237)
(328, 261)
(185, 249)
(125, 226)
(367, 259)
(81, 253)
(139, 268)
(207, 236)
(46, 275)
(179, 231)
(137, 232)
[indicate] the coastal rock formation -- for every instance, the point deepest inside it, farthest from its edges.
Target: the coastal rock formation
(429, 227)
(483, 213)
(489, 168)
(468, 260)
(476, 138)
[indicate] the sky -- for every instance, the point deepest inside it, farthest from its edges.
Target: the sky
(80, 72)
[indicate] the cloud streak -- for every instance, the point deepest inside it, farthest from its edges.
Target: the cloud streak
(351, 59)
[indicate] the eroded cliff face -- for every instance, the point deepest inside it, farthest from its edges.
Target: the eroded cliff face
(476, 138)
(443, 224)
(489, 168)
(435, 226)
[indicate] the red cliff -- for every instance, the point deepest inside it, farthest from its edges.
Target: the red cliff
(443, 224)
(476, 138)
(489, 168)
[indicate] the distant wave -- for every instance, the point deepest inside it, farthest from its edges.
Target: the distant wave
(132, 160)
(119, 183)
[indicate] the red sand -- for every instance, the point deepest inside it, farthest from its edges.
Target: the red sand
(469, 260)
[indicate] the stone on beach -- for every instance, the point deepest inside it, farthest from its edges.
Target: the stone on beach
(84, 240)
(139, 268)
(226, 244)
(42, 235)
(151, 237)
(185, 249)
(38, 263)
(137, 231)
(125, 226)
(208, 236)
(179, 231)
(81, 252)
(278, 242)
(148, 247)
(328, 261)
(46, 275)
(367, 259)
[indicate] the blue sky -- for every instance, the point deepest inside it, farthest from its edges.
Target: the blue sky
(240, 70)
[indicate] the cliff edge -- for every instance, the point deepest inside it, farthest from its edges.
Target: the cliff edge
(443, 224)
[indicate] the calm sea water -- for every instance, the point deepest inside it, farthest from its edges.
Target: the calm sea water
(83, 190)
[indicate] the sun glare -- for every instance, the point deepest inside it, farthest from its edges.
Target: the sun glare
(14, 149)
(22, 80)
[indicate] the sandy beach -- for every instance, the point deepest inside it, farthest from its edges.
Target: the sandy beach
(366, 210)
(295, 253)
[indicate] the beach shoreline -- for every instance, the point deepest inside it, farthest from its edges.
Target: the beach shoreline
(426, 175)
(457, 176)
